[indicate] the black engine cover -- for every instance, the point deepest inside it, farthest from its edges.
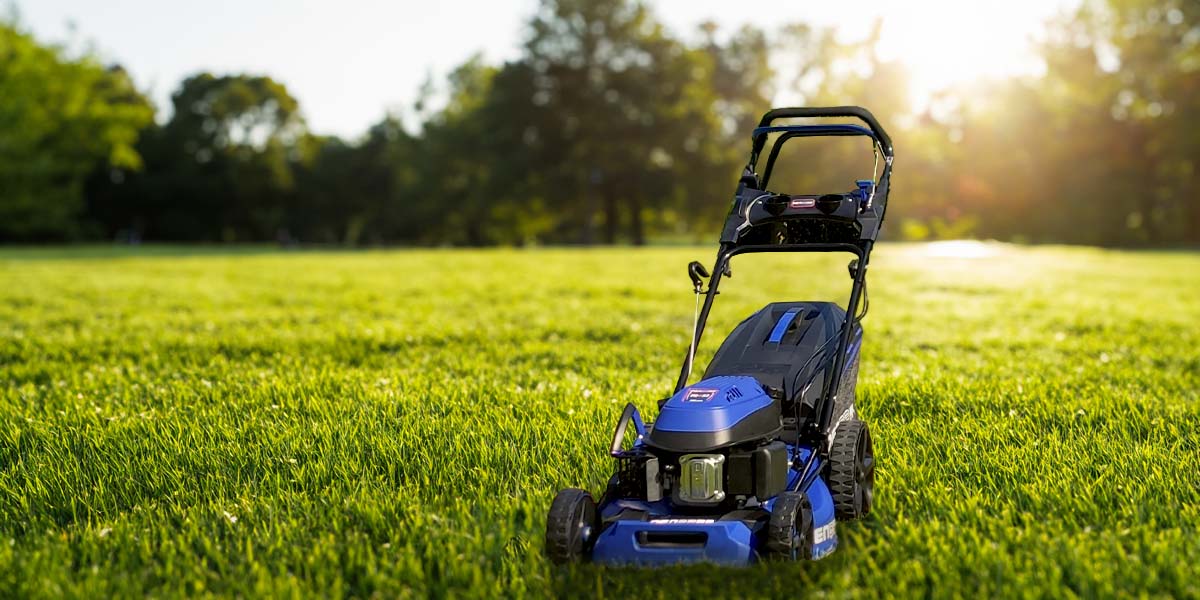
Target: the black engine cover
(786, 346)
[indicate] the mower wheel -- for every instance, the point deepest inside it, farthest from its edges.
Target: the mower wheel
(571, 526)
(789, 532)
(852, 471)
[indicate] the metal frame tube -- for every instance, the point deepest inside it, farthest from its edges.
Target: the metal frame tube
(828, 399)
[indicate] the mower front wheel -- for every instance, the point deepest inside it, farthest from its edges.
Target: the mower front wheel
(852, 471)
(789, 532)
(571, 526)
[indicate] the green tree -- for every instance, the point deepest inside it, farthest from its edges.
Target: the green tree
(1097, 150)
(60, 117)
(222, 168)
(628, 111)
(363, 192)
(1152, 49)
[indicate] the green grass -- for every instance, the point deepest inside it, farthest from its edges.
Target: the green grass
(396, 423)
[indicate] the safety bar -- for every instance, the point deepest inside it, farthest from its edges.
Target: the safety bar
(857, 112)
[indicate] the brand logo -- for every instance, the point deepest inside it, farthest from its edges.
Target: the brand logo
(825, 533)
(802, 203)
(699, 395)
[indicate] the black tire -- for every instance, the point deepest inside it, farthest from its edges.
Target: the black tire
(571, 526)
(789, 531)
(852, 471)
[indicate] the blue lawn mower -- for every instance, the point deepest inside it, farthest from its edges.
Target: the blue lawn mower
(766, 453)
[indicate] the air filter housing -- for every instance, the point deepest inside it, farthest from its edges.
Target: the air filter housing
(716, 413)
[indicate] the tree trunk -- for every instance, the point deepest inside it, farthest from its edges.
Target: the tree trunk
(1193, 233)
(1189, 199)
(637, 229)
(587, 233)
(611, 217)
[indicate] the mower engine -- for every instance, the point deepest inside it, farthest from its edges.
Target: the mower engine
(713, 444)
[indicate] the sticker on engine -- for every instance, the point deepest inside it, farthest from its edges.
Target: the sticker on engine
(700, 395)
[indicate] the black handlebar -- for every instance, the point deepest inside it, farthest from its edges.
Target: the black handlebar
(831, 111)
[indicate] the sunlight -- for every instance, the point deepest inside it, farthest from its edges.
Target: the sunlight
(945, 43)
(960, 249)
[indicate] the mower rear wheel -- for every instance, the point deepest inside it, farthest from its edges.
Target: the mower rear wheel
(789, 532)
(571, 526)
(852, 471)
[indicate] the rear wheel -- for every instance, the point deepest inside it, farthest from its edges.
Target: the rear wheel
(571, 526)
(789, 532)
(852, 471)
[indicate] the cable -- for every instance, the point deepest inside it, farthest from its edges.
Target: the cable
(866, 302)
(876, 150)
(692, 346)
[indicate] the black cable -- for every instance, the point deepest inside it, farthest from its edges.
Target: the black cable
(866, 302)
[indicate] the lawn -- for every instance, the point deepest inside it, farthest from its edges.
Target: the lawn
(395, 423)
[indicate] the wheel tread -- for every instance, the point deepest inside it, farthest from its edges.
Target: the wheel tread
(788, 506)
(843, 463)
(559, 522)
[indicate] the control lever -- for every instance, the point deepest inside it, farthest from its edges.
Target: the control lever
(698, 274)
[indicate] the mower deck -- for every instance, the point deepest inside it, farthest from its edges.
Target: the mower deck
(637, 532)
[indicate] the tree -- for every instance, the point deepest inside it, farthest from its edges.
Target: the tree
(627, 110)
(1153, 51)
(222, 167)
(60, 117)
(363, 192)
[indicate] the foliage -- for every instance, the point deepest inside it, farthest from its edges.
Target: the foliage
(1100, 149)
(222, 168)
(610, 128)
(60, 117)
(241, 423)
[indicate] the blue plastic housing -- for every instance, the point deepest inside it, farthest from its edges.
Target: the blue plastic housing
(728, 542)
(714, 404)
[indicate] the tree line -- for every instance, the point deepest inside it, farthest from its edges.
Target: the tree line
(608, 128)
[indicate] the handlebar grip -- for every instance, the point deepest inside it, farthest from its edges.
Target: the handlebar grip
(857, 112)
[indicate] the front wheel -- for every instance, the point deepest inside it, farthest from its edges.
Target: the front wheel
(571, 526)
(789, 532)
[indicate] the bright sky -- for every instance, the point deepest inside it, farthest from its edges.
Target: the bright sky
(351, 60)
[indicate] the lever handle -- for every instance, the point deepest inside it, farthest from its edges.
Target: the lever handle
(698, 274)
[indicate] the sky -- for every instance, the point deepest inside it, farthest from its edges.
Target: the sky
(350, 61)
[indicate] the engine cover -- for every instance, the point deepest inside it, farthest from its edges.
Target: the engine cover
(715, 413)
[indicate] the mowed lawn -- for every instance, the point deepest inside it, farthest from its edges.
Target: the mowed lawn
(395, 424)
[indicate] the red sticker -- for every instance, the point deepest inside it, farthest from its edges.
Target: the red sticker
(803, 203)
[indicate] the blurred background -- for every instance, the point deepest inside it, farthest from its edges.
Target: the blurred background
(520, 122)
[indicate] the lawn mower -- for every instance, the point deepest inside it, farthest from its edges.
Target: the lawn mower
(766, 453)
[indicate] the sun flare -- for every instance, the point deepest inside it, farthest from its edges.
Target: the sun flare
(960, 249)
(945, 43)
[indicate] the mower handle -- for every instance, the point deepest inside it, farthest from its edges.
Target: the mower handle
(857, 112)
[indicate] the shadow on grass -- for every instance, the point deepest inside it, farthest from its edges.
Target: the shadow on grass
(765, 579)
(109, 251)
